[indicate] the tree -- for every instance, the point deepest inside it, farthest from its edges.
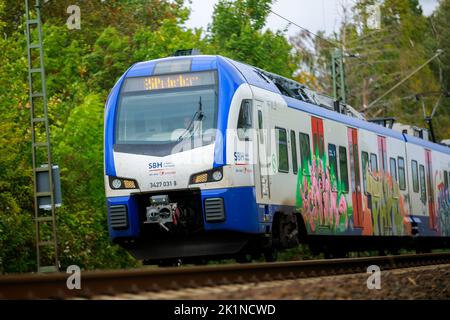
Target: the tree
(438, 37)
(237, 32)
(16, 222)
(82, 222)
(96, 15)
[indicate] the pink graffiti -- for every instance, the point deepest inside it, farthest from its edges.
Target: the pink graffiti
(320, 202)
(443, 209)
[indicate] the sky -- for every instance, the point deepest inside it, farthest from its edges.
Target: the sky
(314, 15)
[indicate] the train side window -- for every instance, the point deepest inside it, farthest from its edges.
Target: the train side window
(332, 159)
(446, 180)
(282, 146)
(343, 167)
(373, 162)
(423, 189)
(415, 176)
(294, 152)
(260, 126)
(393, 168)
(449, 180)
(365, 163)
(305, 151)
(401, 173)
(245, 120)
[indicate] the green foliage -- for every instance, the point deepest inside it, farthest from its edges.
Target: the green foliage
(438, 37)
(96, 15)
(165, 41)
(109, 58)
(16, 224)
(83, 219)
(236, 32)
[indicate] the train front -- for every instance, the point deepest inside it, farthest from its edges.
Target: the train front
(170, 192)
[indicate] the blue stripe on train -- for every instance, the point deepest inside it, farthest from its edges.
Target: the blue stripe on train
(241, 210)
(110, 116)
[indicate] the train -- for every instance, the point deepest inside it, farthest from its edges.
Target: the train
(206, 157)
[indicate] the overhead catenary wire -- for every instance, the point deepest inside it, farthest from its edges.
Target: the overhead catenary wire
(373, 103)
(333, 43)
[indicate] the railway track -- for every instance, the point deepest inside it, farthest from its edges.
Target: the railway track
(94, 283)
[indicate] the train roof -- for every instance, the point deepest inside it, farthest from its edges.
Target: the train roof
(296, 95)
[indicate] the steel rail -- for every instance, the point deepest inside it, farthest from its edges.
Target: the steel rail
(53, 286)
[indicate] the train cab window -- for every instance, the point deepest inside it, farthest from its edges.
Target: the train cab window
(393, 168)
(401, 173)
(343, 167)
(365, 163)
(423, 190)
(446, 180)
(244, 124)
(305, 151)
(151, 119)
(294, 152)
(415, 176)
(282, 146)
(373, 162)
(332, 159)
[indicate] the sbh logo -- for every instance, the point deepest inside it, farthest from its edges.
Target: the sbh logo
(74, 280)
(374, 280)
(155, 165)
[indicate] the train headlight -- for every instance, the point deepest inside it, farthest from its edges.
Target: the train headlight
(217, 175)
(207, 176)
(116, 184)
(122, 183)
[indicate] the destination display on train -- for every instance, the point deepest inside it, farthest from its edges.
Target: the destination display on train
(170, 81)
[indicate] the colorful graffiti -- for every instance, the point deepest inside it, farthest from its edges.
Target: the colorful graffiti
(321, 203)
(385, 211)
(325, 209)
(443, 206)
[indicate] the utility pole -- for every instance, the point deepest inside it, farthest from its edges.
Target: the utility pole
(337, 65)
(44, 173)
(338, 75)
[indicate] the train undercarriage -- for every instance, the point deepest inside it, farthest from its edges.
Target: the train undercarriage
(171, 234)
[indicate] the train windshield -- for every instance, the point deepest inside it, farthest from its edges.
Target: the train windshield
(167, 110)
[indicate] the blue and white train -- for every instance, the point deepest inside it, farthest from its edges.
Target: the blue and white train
(209, 157)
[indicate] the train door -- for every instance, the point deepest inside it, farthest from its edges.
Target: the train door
(382, 153)
(430, 194)
(318, 150)
(355, 176)
(263, 150)
(318, 138)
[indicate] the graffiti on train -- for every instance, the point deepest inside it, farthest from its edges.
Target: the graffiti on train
(321, 198)
(327, 209)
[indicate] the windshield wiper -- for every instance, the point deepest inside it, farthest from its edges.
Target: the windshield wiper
(198, 116)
